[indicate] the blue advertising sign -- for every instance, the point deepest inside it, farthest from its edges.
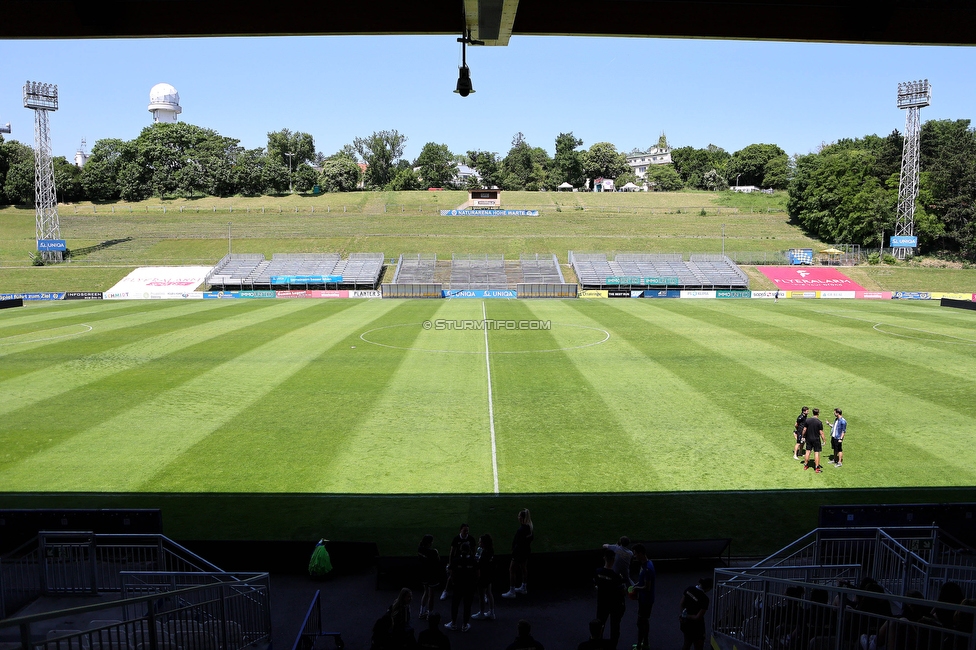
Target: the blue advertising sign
(40, 295)
(306, 279)
(489, 213)
(222, 295)
(662, 293)
(480, 293)
(911, 295)
(903, 241)
(51, 245)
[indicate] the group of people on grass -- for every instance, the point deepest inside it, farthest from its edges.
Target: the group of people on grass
(809, 433)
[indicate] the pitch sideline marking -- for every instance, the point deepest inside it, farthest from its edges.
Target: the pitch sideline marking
(491, 408)
(959, 340)
(50, 338)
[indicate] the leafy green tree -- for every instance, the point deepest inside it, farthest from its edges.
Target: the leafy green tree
(487, 165)
(16, 173)
(750, 166)
(627, 177)
(283, 142)
(437, 165)
(305, 178)
(663, 178)
(340, 174)
(67, 180)
(100, 175)
(713, 181)
(379, 151)
(693, 165)
(248, 172)
(567, 165)
(518, 166)
(405, 179)
(602, 160)
(347, 151)
(948, 155)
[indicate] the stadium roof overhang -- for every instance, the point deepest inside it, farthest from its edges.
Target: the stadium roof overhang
(942, 22)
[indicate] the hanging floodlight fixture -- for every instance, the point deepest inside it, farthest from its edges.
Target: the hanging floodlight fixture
(464, 87)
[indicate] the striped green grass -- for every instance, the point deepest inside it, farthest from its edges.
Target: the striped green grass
(664, 407)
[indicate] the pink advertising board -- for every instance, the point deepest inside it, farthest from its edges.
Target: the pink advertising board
(809, 278)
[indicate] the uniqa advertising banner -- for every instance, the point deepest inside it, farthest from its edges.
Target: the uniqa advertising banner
(480, 293)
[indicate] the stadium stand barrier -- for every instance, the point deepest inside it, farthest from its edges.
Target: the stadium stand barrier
(546, 290)
(657, 270)
(431, 290)
(771, 605)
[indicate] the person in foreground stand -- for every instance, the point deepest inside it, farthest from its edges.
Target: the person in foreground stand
(694, 604)
(520, 555)
(484, 556)
(432, 638)
(623, 557)
(645, 596)
(524, 640)
(464, 569)
(431, 573)
(595, 642)
(609, 598)
(837, 432)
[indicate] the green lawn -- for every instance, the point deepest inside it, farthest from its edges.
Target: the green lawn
(301, 412)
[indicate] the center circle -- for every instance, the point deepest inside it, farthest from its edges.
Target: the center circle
(438, 336)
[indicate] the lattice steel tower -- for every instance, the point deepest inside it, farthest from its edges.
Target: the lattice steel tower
(42, 99)
(912, 95)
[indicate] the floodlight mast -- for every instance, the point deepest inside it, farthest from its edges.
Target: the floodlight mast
(912, 96)
(42, 98)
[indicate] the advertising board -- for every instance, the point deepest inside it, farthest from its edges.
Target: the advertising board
(838, 294)
(306, 279)
(33, 295)
(911, 295)
(733, 293)
(83, 295)
(51, 245)
(592, 293)
(480, 293)
(697, 294)
(812, 278)
(153, 282)
(662, 293)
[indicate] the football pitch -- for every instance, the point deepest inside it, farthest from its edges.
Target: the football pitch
(471, 398)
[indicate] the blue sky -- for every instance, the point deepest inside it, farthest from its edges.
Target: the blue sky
(624, 91)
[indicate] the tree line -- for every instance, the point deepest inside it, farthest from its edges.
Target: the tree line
(848, 191)
(185, 160)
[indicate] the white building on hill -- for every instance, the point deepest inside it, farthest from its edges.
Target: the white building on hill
(639, 161)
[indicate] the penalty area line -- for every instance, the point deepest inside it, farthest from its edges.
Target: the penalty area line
(491, 408)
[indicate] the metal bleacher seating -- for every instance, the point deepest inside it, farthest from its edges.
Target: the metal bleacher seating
(478, 272)
(416, 268)
(539, 269)
(254, 271)
(699, 272)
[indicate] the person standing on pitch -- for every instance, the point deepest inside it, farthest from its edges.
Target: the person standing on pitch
(813, 434)
(645, 596)
(798, 432)
(838, 429)
(521, 546)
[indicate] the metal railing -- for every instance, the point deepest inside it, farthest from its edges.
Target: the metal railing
(222, 616)
(75, 563)
(767, 613)
(312, 627)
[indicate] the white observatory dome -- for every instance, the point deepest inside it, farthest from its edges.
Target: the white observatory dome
(164, 103)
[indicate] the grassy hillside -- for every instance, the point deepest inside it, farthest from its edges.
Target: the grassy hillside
(109, 240)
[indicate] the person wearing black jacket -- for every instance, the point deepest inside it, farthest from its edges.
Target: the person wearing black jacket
(694, 604)
(610, 602)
